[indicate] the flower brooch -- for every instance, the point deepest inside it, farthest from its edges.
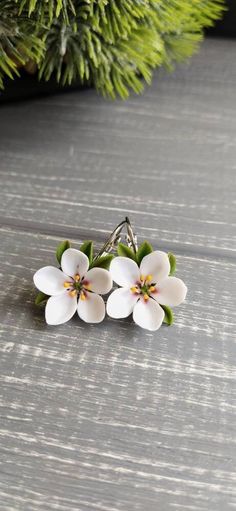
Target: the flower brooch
(147, 288)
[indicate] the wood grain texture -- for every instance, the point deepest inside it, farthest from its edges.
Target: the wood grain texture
(110, 417)
(167, 158)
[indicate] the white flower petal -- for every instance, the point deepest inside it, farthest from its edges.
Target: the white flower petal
(74, 262)
(92, 309)
(60, 309)
(50, 280)
(170, 291)
(155, 264)
(124, 271)
(121, 303)
(148, 314)
(100, 280)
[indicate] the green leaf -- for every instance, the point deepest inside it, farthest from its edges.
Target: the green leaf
(64, 245)
(103, 262)
(124, 251)
(144, 249)
(41, 298)
(169, 316)
(87, 249)
(172, 261)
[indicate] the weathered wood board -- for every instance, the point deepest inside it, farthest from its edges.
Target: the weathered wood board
(167, 158)
(110, 417)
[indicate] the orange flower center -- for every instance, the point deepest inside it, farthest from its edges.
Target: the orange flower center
(145, 287)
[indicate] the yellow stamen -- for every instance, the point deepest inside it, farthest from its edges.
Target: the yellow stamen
(82, 296)
(149, 278)
(67, 284)
(146, 297)
(73, 293)
(134, 289)
(152, 288)
(87, 286)
(77, 277)
(142, 277)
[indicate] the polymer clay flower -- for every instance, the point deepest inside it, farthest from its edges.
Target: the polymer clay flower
(73, 287)
(146, 291)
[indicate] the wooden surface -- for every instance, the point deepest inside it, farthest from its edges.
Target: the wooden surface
(110, 417)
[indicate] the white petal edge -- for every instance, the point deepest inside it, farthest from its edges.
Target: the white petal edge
(74, 262)
(170, 291)
(92, 309)
(156, 264)
(50, 280)
(148, 314)
(124, 271)
(59, 309)
(121, 302)
(100, 280)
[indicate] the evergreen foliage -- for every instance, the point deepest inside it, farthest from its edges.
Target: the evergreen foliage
(112, 44)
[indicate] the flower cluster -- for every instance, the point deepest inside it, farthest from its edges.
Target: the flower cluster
(146, 289)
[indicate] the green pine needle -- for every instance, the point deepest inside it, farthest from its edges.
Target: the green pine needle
(114, 45)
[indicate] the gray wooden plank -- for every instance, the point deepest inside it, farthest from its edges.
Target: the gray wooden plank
(78, 162)
(110, 417)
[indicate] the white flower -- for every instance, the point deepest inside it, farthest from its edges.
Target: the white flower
(72, 288)
(143, 289)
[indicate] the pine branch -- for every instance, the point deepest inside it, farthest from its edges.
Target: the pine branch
(113, 44)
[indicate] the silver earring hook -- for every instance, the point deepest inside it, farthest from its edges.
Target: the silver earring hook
(115, 238)
(112, 241)
(131, 238)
